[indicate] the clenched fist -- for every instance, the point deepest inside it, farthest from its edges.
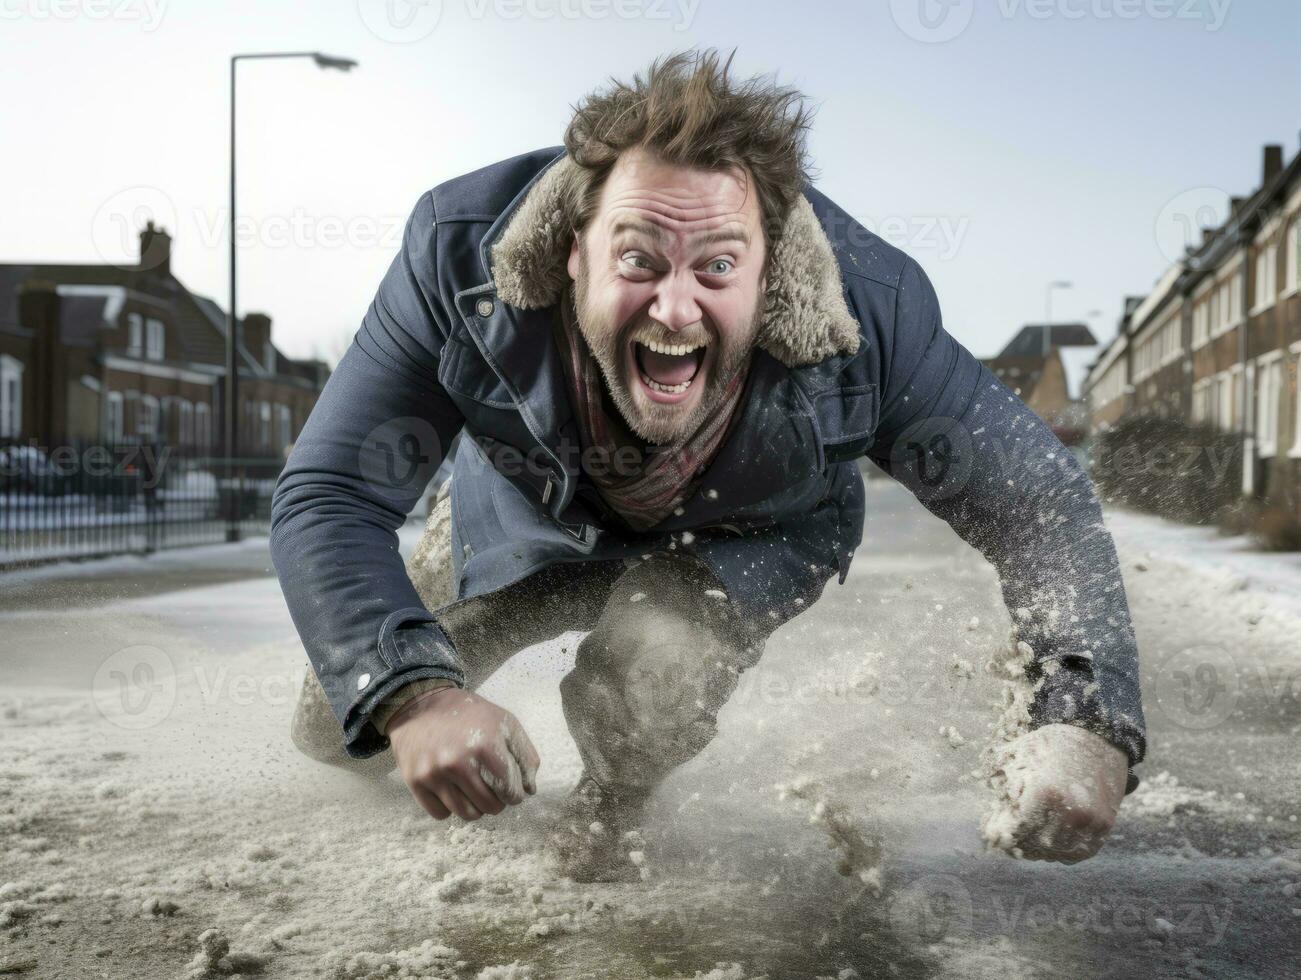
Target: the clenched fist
(462, 754)
(1063, 787)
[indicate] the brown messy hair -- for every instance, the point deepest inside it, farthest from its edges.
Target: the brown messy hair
(689, 112)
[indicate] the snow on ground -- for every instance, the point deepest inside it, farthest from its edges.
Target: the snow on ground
(156, 822)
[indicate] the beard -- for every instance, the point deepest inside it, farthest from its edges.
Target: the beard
(669, 426)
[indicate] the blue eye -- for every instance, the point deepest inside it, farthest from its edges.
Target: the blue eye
(727, 267)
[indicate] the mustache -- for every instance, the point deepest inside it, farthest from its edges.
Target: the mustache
(652, 332)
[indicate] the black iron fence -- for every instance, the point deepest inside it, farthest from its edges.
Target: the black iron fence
(86, 500)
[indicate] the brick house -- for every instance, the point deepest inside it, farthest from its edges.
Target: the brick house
(108, 354)
(1033, 366)
(1218, 339)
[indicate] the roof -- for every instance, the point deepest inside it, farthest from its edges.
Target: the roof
(1029, 341)
(199, 323)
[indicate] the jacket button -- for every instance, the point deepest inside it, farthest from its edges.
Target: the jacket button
(483, 307)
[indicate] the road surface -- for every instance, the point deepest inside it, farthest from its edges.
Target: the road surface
(156, 822)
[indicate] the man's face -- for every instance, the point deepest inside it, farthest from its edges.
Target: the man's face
(668, 290)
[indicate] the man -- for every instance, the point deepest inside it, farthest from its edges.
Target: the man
(665, 353)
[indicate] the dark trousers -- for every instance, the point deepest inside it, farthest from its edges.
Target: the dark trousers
(664, 653)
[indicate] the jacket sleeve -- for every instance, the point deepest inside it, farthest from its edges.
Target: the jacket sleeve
(977, 457)
(364, 457)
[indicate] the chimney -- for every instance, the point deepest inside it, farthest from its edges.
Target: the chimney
(155, 250)
(1272, 164)
(255, 335)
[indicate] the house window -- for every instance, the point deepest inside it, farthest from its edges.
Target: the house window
(1269, 386)
(148, 414)
(1293, 270)
(113, 427)
(202, 426)
(284, 427)
(1296, 399)
(184, 422)
(11, 397)
(264, 426)
(154, 339)
(135, 342)
(1266, 277)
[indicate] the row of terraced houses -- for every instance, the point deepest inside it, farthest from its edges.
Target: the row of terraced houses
(1218, 340)
(127, 354)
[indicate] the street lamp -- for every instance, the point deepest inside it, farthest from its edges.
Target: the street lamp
(1048, 311)
(232, 361)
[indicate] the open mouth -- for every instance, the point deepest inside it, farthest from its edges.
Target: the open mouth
(667, 370)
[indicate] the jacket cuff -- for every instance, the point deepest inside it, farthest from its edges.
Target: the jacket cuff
(412, 647)
(1094, 701)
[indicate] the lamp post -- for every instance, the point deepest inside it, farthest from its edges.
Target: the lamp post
(1048, 311)
(233, 484)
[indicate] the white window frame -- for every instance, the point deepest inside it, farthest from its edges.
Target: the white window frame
(284, 426)
(184, 422)
(1295, 451)
(114, 417)
(1292, 273)
(264, 425)
(155, 339)
(135, 343)
(1266, 278)
(11, 396)
(148, 417)
(1269, 386)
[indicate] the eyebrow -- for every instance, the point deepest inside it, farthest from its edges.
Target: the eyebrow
(655, 233)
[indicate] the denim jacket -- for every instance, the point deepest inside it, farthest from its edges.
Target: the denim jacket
(852, 361)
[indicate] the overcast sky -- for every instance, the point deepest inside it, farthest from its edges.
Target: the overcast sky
(1003, 143)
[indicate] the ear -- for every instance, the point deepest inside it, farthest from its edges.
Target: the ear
(572, 264)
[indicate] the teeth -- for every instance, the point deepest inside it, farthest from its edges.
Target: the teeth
(666, 389)
(678, 350)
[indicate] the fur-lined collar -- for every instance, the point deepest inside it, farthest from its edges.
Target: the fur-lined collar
(805, 318)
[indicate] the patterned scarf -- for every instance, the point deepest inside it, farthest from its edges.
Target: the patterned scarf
(667, 476)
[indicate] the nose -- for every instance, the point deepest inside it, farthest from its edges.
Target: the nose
(675, 303)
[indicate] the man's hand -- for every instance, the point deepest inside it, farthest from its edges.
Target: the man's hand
(462, 754)
(1064, 786)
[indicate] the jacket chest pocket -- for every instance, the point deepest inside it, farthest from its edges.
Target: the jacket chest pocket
(848, 418)
(463, 371)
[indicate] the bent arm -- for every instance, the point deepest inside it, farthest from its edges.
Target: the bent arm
(977, 457)
(369, 448)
